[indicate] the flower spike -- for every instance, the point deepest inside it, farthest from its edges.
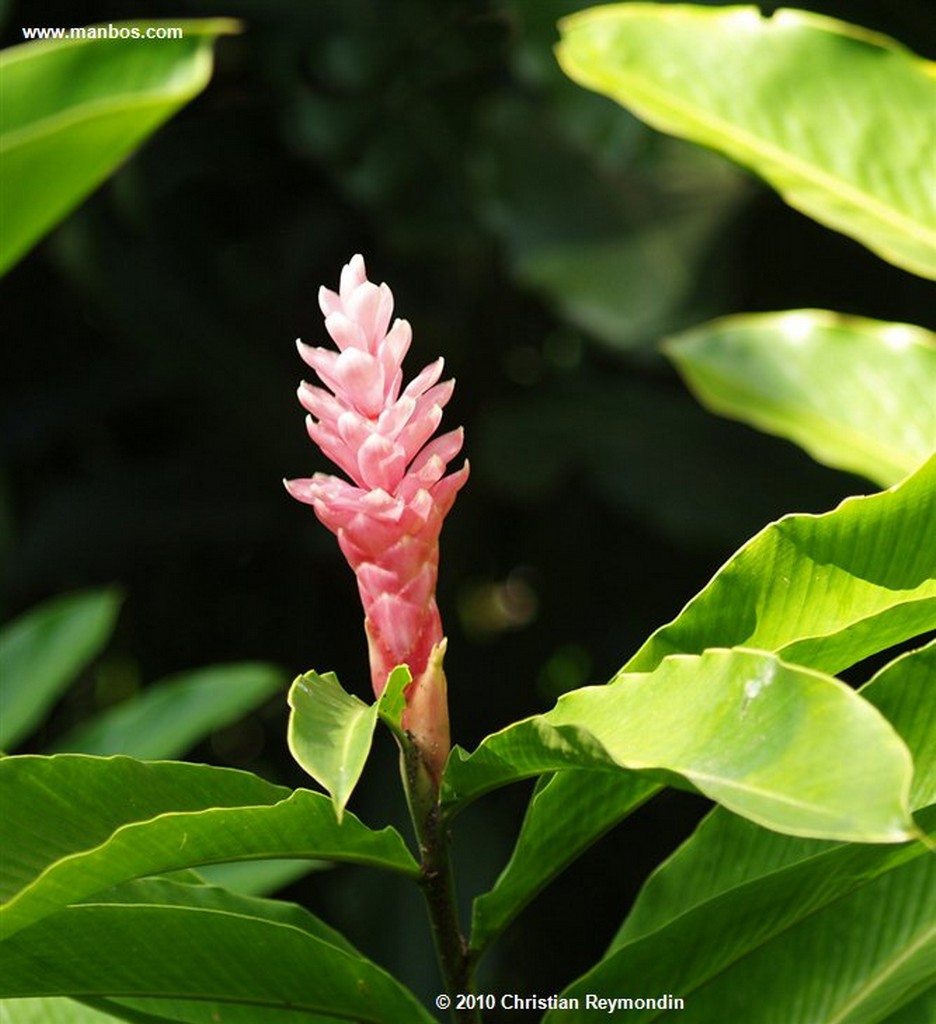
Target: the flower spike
(389, 517)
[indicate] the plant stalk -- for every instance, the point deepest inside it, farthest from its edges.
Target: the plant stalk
(438, 883)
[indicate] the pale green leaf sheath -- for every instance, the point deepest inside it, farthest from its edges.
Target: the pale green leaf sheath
(850, 143)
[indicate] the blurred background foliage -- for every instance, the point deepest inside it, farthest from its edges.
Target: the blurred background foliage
(535, 234)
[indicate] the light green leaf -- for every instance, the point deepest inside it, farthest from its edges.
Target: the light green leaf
(904, 691)
(856, 394)
(888, 597)
(725, 852)
(553, 834)
(195, 943)
(43, 650)
(51, 1010)
(733, 890)
(75, 825)
(835, 118)
(824, 591)
(330, 733)
(168, 718)
(259, 877)
(74, 109)
(791, 749)
(392, 702)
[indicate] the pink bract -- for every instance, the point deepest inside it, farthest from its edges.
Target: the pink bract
(388, 517)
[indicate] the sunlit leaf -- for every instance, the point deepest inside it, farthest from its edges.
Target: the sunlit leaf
(856, 394)
(74, 109)
(822, 590)
(330, 733)
(788, 747)
(837, 119)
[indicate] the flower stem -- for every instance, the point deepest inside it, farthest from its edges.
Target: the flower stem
(438, 884)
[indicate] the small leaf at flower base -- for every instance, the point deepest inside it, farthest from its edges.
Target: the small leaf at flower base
(330, 733)
(392, 701)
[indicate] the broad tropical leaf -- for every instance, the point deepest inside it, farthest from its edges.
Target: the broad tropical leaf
(203, 945)
(170, 716)
(903, 691)
(553, 834)
(889, 529)
(837, 119)
(822, 590)
(787, 747)
(856, 394)
(74, 109)
(76, 825)
(845, 935)
(43, 650)
(733, 892)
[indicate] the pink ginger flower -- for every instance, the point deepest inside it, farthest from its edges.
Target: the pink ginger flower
(388, 519)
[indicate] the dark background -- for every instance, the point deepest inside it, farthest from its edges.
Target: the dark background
(538, 237)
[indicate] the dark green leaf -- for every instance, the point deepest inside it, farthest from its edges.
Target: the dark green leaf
(169, 717)
(76, 825)
(196, 943)
(43, 650)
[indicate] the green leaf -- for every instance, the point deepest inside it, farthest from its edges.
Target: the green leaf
(887, 597)
(195, 943)
(733, 891)
(50, 1010)
(832, 116)
(73, 110)
(920, 1010)
(903, 692)
(43, 650)
(259, 877)
(856, 394)
(168, 718)
(330, 733)
(825, 591)
(787, 747)
(76, 825)
(392, 702)
(759, 951)
(553, 834)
